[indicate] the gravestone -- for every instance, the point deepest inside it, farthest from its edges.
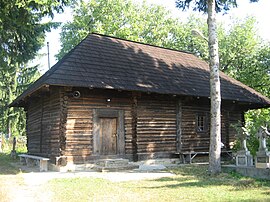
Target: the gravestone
(243, 156)
(262, 159)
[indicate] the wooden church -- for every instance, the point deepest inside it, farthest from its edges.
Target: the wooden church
(112, 98)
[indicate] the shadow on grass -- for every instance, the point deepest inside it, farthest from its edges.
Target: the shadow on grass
(6, 167)
(198, 176)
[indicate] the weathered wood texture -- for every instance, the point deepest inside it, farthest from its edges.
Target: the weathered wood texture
(156, 125)
(234, 118)
(108, 137)
(79, 126)
(192, 140)
(43, 121)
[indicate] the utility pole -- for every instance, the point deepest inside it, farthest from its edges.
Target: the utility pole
(48, 49)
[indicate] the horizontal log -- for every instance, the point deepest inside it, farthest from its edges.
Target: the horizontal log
(80, 147)
(154, 129)
(74, 132)
(78, 142)
(157, 150)
(155, 143)
(164, 132)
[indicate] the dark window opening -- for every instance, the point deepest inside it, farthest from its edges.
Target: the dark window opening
(201, 123)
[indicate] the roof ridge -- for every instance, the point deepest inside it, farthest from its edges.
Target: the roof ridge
(141, 43)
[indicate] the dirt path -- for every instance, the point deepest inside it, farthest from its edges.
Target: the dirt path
(21, 188)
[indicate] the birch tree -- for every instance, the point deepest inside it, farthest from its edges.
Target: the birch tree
(215, 94)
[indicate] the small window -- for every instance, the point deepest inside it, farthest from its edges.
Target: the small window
(201, 123)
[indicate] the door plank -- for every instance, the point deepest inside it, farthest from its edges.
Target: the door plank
(108, 136)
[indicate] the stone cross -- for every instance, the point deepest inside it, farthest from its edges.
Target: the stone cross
(262, 134)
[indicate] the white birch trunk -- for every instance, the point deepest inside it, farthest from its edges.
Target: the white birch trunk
(215, 128)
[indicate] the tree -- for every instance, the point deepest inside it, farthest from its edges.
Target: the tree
(211, 7)
(121, 18)
(244, 55)
(248, 61)
(22, 35)
(215, 94)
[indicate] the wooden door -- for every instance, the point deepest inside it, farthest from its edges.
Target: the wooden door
(108, 136)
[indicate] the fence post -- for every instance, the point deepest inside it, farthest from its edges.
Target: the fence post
(13, 152)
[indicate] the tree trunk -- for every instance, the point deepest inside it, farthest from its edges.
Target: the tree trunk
(215, 128)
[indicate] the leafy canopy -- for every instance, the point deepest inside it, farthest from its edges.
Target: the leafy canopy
(120, 18)
(201, 5)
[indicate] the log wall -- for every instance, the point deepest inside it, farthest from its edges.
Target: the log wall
(33, 128)
(192, 140)
(79, 125)
(156, 127)
(234, 117)
(43, 121)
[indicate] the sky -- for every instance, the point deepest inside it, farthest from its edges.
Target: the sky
(260, 10)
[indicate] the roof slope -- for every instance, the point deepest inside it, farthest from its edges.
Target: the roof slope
(106, 62)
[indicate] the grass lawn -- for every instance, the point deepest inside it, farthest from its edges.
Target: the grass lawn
(6, 167)
(191, 183)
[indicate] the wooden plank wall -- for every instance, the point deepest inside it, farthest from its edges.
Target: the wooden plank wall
(43, 121)
(233, 117)
(33, 128)
(156, 126)
(191, 140)
(79, 125)
(59, 124)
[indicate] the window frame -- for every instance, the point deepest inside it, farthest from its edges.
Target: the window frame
(204, 123)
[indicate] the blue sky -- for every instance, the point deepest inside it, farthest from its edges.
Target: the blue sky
(260, 10)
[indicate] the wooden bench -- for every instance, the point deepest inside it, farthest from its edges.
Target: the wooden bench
(29, 160)
(187, 157)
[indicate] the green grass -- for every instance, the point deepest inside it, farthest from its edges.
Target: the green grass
(6, 167)
(191, 183)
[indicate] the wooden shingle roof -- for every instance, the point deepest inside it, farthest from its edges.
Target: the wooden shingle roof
(111, 63)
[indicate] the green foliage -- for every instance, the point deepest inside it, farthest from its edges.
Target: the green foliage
(201, 5)
(122, 18)
(245, 57)
(255, 119)
(22, 35)
(13, 83)
(7, 144)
